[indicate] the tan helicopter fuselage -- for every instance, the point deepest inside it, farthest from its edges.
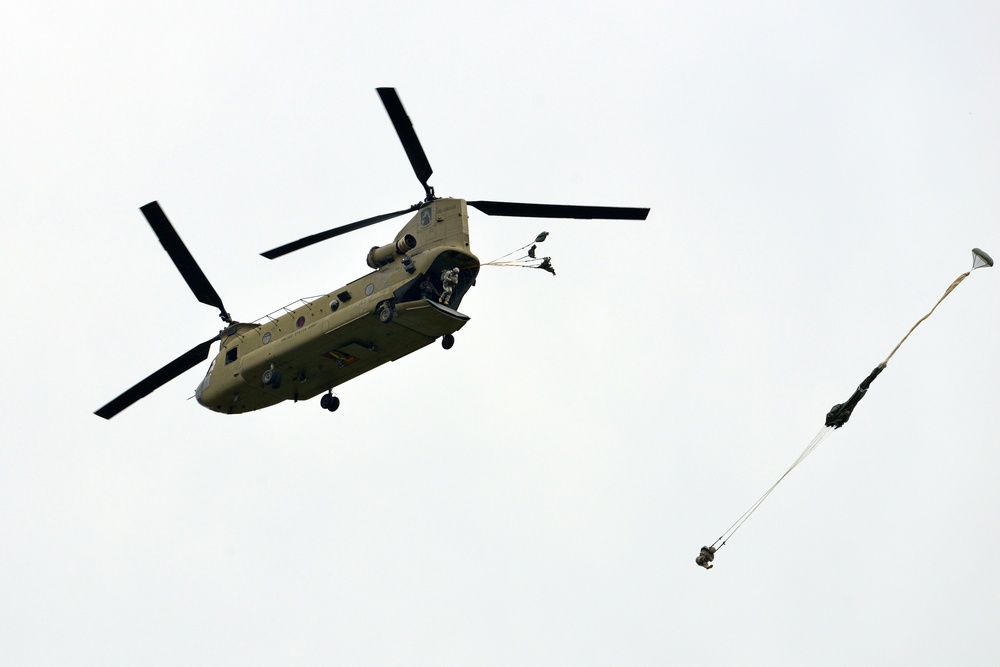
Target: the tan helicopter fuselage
(333, 338)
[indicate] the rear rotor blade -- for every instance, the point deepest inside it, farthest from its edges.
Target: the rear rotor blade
(183, 260)
(186, 361)
(330, 233)
(520, 210)
(407, 135)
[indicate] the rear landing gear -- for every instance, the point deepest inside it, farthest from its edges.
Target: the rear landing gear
(447, 341)
(329, 402)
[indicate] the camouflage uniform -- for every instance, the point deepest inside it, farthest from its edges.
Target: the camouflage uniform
(706, 557)
(427, 289)
(449, 279)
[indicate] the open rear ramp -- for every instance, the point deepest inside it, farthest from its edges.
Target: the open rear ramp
(429, 318)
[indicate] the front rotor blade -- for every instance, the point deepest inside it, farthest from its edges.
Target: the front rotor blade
(330, 233)
(183, 260)
(519, 210)
(407, 135)
(186, 361)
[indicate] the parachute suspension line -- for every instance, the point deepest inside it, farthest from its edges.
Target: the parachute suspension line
(946, 293)
(726, 536)
(980, 260)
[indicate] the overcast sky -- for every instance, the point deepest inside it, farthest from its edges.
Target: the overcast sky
(817, 174)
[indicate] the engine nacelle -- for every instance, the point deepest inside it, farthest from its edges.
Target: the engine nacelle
(379, 257)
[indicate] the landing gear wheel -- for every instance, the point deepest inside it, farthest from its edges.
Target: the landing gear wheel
(271, 378)
(329, 402)
(385, 314)
(447, 341)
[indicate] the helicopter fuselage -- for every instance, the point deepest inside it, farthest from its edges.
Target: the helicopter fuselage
(409, 299)
(328, 340)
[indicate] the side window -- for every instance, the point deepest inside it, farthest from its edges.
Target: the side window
(231, 356)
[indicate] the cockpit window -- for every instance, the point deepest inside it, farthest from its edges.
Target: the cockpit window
(231, 355)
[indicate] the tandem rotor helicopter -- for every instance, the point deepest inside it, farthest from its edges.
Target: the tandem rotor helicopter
(398, 308)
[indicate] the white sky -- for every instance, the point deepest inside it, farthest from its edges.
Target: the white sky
(817, 174)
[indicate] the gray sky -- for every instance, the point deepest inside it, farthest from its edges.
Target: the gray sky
(817, 174)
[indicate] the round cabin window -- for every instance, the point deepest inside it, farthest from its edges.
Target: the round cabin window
(267, 338)
(299, 322)
(369, 289)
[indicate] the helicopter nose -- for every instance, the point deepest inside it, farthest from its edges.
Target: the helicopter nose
(197, 393)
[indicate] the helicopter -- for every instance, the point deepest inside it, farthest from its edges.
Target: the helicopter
(409, 300)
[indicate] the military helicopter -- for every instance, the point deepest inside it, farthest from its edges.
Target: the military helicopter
(397, 308)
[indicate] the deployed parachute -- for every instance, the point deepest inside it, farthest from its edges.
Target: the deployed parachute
(837, 417)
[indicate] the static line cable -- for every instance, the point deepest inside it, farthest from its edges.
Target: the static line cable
(527, 261)
(836, 418)
(820, 437)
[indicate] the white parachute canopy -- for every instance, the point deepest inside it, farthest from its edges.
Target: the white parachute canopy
(980, 259)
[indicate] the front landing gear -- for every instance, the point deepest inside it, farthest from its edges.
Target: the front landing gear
(447, 341)
(329, 402)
